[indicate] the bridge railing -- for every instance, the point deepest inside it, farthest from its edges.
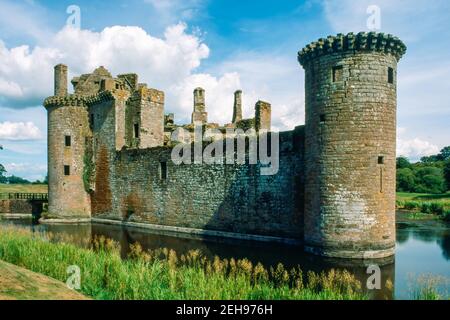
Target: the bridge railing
(25, 196)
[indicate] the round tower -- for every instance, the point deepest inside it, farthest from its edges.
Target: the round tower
(68, 127)
(350, 141)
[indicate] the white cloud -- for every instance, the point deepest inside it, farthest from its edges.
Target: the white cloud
(415, 148)
(26, 75)
(19, 131)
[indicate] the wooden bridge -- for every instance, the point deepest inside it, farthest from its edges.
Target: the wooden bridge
(40, 197)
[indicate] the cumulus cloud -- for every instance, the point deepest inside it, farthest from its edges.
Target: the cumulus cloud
(19, 131)
(415, 148)
(26, 75)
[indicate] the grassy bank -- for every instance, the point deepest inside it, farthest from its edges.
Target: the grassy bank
(163, 274)
(21, 284)
(23, 188)
(422, 205)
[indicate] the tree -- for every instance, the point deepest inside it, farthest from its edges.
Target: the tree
(2, 174)
(405, 180)
(430, 180)
(2, 170)
(17, 180)
(403, 162)
(447, 173)
(444, 155)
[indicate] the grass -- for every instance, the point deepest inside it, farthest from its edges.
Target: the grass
(23, 188)
(425, 287)
(406, 196)
(162, 274)
(21, 284)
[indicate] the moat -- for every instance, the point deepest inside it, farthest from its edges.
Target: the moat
(423, 248)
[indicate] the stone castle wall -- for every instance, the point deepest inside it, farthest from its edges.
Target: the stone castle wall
(233, 198)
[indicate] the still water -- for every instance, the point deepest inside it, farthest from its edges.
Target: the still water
(423, 248)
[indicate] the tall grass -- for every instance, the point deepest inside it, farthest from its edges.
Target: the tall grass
(429, 287)
(162, 274)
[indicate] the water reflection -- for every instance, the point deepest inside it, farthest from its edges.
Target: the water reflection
(421, 248)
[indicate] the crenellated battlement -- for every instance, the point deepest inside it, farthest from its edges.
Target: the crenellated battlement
(363, 41)
(74, 100)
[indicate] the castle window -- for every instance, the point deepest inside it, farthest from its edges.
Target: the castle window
(322, 118)
(163, 170)
(380, 160)
(92, 121)
(338, 73)
(67, 141)
(67, 170)
(390, 75)
(136, 130)
(117, 86)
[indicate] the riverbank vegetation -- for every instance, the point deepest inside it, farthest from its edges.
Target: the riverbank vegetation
(423, 206)
(162, 274)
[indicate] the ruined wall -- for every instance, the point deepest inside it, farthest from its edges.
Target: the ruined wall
(234, 198)
(350, 138)
(144, 123)
(104, 147)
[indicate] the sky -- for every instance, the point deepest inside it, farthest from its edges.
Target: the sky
(220, 45)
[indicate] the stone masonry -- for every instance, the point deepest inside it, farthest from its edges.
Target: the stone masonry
(110, 146)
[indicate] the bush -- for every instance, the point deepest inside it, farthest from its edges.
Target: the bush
(446, 215)
(411, 205)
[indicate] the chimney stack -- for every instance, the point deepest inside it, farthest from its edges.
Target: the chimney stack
(237, 108)
(60, 80)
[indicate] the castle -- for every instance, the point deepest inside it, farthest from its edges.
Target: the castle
(110, 144)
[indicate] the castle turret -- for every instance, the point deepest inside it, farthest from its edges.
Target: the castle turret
(67, 130)
(350, 139)
(237, 107)
(60, 80)
(199, 114)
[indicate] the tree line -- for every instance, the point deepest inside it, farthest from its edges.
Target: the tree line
(430, 175)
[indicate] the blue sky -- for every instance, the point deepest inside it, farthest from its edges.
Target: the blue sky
(176, 45)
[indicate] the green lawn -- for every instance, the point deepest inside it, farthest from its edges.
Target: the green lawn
(405, 196)
(23, 188)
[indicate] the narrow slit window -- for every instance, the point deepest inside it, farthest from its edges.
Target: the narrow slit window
(67, 170)
(68, 141)
(381, 180)
(338, 73)
(92, 120)
(390, 75)
(322, 118)
(163, 170)
(136, 130)
(380, 160)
